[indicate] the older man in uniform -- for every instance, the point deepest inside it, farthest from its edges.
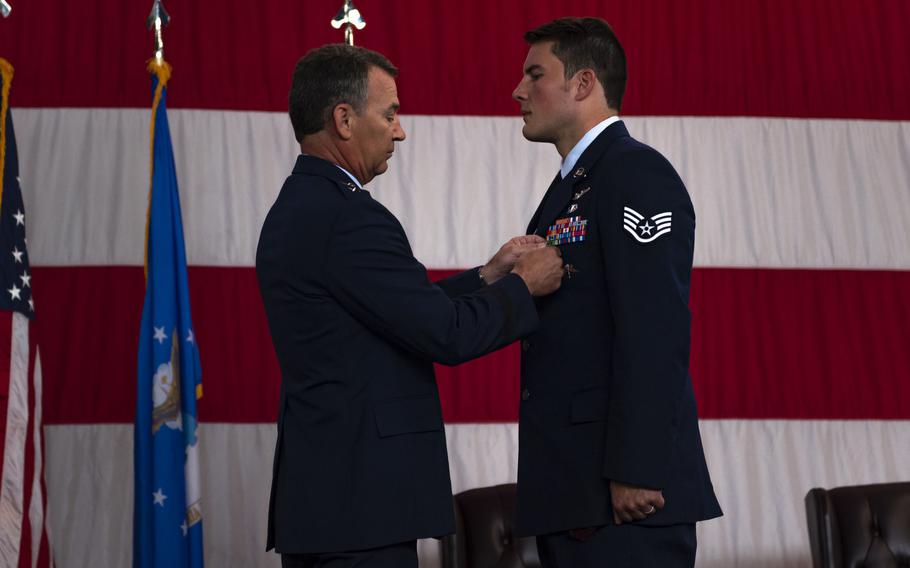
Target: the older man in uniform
(611, 468)
(360, 466)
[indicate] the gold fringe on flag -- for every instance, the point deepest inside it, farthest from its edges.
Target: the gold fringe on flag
(6, 71)
(162, 70)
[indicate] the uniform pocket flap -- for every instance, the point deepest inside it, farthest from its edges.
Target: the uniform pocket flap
(589, 406)
(408, 415)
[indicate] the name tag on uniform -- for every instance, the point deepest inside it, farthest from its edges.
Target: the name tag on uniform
(567, 230)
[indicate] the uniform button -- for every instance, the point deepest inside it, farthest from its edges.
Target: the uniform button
(525, 394)
(525, 344)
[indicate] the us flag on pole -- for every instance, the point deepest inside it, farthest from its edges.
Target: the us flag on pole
(23, 502)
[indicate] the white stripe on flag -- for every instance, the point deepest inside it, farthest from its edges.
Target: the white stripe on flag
(750, 460)
(768, 192)
(11, 491)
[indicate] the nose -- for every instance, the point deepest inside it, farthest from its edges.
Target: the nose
(519, 93)
(398, 133)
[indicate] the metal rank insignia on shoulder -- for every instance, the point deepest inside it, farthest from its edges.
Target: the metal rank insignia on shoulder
(567, 230)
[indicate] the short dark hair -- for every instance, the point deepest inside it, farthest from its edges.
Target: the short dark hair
(587, 43)
(326, 77)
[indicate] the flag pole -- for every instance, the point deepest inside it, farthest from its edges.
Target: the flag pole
(167, 519)
(7, 71)
(24, 511)
(158, 19)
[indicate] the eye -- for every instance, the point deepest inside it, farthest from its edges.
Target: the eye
(536, 76)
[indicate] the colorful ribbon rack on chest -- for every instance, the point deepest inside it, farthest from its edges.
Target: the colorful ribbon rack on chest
(567, 230)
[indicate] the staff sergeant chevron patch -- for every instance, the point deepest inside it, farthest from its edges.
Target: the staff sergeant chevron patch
(646, 230)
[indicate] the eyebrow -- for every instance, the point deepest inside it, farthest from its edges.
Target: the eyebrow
(393, 107)
(531, 68)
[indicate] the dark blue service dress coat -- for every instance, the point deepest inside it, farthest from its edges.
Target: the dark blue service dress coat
(361, 460)
(606, 393)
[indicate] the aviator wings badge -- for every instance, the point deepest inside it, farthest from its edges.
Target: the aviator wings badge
(646, 230)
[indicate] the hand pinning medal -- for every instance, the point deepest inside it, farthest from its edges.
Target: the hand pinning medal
(568, 230)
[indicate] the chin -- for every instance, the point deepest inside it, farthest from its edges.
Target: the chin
(531, 135)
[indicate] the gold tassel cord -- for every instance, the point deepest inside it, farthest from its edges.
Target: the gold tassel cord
(162, 70)
(6, 72)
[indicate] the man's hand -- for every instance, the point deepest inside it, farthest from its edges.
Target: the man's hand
(633, 503)
(541, 269)
(504, 259)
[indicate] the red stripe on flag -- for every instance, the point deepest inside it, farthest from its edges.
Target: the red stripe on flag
(825, 344)
(44, 557)
(837, 59)
(814, 344)
(6, 338)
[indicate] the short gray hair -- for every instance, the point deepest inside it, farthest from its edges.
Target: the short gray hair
(326, 77)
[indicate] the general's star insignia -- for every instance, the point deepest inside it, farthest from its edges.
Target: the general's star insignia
(646, 230)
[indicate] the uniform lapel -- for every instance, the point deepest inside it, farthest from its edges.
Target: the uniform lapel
(559, 196)
(555, 202)
(532, 226)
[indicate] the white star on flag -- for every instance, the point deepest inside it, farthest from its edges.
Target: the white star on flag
(159, 497)
(183, 527)
(20, 218)
(190, 337)
(26, 279)
(14, 293)
(17, 254)
(632, 223)
(160, 335)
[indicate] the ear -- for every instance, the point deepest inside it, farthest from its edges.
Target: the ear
(343, 119)
(586, 84)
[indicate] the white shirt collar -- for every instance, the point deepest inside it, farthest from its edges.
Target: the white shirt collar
(582, 145)
(355, 180)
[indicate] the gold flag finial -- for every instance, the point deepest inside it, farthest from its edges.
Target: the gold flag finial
(158, 19)
(349, 17)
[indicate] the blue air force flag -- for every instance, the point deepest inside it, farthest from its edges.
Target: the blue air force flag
(167, 529)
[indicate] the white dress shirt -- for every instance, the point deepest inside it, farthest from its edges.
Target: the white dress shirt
(582, 145)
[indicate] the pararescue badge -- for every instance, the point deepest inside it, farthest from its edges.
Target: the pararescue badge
(646, 230)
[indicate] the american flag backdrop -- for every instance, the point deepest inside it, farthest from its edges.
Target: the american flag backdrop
(788, 121)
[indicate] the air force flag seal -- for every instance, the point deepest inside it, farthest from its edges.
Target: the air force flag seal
(646, 230)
